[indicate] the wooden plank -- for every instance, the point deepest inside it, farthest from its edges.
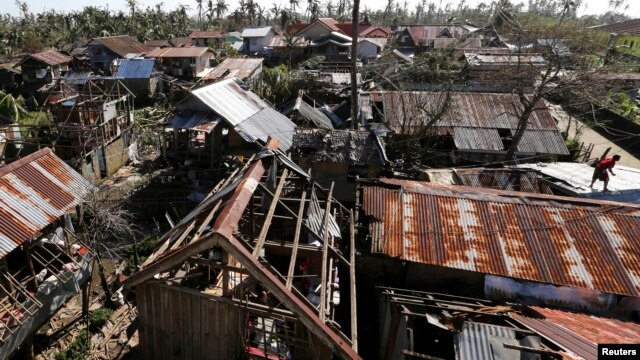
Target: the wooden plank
(179, 241)
(325, 253)
(352, 282)
(272, 209)
(196, 326)
(296, 241)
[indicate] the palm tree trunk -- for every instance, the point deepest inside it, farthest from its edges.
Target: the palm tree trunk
(354, 62)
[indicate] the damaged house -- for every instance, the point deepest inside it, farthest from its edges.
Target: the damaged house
(262, 268)
(41, 69)
(42, 262)
(473, 126)
(225, 118)
(339, 156)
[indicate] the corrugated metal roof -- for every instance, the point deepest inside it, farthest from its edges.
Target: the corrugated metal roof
(341, 146)
(239, 68)
(580, 333)
(308, 112)
(135, 68)
(315, 218)
(267, 123)
(197, 121)
(177, 52)
(502, 179)
(543, 141)
(622, 27)
(180, 41)
(549, 239)
(574, 179)
(422, 34)
(50, 57)
(467, 138)
(256, 32)
(34, 192)
(231, 100)
(157, 43)
(474, 341)
(121, 45)
(207, 35)
(77, 78)
(279, 42)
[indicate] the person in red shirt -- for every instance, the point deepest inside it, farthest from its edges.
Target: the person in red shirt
(600, 172)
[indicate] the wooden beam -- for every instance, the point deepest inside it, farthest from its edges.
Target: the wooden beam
(325, 254)
(296, 241)
(306, 248)
(272, 209)
(352, 283)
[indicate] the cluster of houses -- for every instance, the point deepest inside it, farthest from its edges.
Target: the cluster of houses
(314, 245)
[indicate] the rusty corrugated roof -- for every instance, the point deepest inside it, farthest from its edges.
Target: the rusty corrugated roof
(177, 52)
(50, 57)
(580, 333)
(535, 237)
(34, 192)
(121, 45)
(503, 179)
(239, 68)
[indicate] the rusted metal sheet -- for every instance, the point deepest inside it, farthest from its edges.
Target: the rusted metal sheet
(544, 238)
(467, 138)
(278, 41)
(580, 333)
(207, 35)
(422, 34)
(121, 45)
(178, 52)
(239, 68)
(543, 141)
(35, 191)
(50, 57)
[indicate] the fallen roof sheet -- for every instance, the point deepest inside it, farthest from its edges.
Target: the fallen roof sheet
(121, 45)
(197, 121)
(544, 238)
(50, 57)
(135, 68)
(178, 52)
(36, 191)
(231, 100)
(501, 179)
(77, 77)
(574, 179)
(308, 112)
(580, 333)
(267, 123)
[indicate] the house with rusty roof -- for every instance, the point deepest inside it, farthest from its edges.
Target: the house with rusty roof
(247, 69)
(224, 118)
(576, 254)
(207, 38)
(419, 38)
(502, 72)
(184, 63)
(42, 261)
(285, 49)
(324, 26)
(103, 50)
(272, 287)
(475, 126)
(339, 156)
(41, 69)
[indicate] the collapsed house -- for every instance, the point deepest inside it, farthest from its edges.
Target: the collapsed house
(41, 69)
(247, 70)
(224, 118)
(512, 179)
(42, 262)
(304, 114)
(418, 324)
(472, 126)
(510, 246)
(262, 268)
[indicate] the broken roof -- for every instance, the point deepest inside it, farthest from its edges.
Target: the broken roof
(238, 68)
(422, 34)
(500, 179)
(221, 213)
(50, 57)
(178, 52)
(341, 146)
(535, 237)
(308, 112)
(580, 333)
(278, 41)
(121, 45)
(574, 179)
(36, 191)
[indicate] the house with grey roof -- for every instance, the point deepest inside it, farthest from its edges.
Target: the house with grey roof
(256, 39)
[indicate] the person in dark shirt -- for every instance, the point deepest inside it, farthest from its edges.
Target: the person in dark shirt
(600, 172)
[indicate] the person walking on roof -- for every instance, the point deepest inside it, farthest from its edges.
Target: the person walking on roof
(600, 172)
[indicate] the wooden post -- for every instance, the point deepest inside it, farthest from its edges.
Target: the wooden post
(296, 241)
(85, 299)
(325, 251)
(27, 252)
(272, 209)
(352, 283)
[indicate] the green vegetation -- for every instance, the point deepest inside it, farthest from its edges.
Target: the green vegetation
(77, 350)
(137, 253)
(98, 318)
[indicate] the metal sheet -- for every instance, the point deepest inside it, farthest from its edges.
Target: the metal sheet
(196, 121)
(474, 341)
(50, 57)
(503, 179)
(34, 192)
(307, 112)
(543, 141)
(135, 68)
(231, 100)
(477, 139)
(177, 52)
(267, 123)
(543, 238)
(315, 218)
(256, 32)
(580, 333)
(121, 45)
(239, 68)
